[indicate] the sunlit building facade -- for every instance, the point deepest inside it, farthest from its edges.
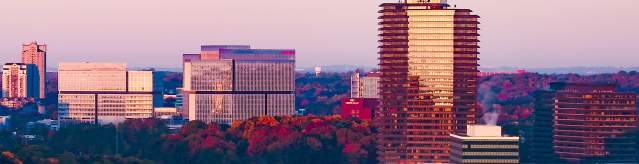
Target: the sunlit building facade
(20, 81)
(103, 93)
(231, 83)
(34, 53)
(428, 86)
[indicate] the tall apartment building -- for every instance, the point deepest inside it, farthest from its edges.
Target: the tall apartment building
(103, 93)
(34, 53)
(225, 83)
(589, 123)
(484, 144)
(428, 87)
(20, 81)
(365, 86)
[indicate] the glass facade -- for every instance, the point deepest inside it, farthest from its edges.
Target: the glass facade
(209, 75)
(235, 83)
(264, 76)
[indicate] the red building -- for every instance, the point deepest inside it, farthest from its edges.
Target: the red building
(362, 108)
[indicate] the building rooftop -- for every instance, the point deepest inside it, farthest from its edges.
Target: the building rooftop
(87, 66)
(219, 47)
(484, 132)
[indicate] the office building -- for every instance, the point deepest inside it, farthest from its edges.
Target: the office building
(34, 53)
(365, 86)
(428, 85)
(318, 71)
(589, 123)
(483, 144)
(360, 108)
(103, 93)
(231, 83)
(165, 112)
(20, 81)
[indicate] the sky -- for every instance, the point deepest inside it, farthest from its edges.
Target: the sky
(154, 33)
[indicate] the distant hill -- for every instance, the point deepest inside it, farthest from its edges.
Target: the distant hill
(564, 70)
(348, 68)
(336, 68)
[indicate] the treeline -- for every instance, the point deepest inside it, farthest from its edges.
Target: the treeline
(321, 95)
(258, 140)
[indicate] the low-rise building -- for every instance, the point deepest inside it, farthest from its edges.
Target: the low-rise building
(165, 111)
(361, 108)
(483, 144)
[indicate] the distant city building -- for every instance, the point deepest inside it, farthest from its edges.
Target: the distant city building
(365, 86)
(4, 122)
(361, 108)
(17, 103)
(300, 112)
(179, 100)
(34, 53)
(428, 87)
(483, 144)
(583, 122)
(165, 111)
(519, 71)
(20, 81)
(51, 124)
(104, 93)
(318, 71)
(230, 83)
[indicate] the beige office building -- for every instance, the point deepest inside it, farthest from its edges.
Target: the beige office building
(103, 93)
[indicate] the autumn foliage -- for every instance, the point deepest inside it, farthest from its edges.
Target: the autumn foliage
(276, 140)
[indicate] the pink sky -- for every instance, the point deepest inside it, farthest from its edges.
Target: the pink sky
(145, 33)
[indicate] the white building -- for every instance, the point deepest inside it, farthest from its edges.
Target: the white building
(484, 144)
(365, 86)
(103, 93)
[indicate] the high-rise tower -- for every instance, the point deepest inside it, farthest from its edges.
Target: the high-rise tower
(19, 80)
(428, 87)
(34, 53)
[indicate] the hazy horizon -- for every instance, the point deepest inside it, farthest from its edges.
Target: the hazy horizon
(516, 33)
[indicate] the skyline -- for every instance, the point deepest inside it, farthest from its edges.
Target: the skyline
(514, 32)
